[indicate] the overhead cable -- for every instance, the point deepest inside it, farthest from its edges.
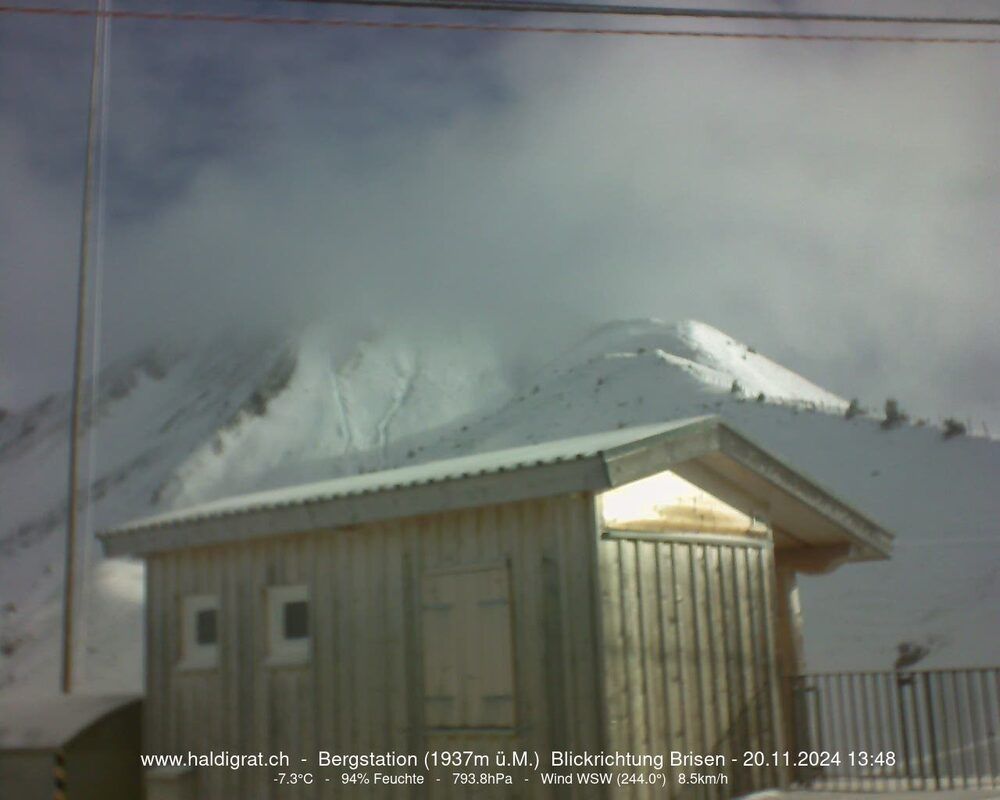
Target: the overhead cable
(249, 19)
(539, 6)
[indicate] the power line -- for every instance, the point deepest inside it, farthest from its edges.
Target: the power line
(168, 16)
(537, 6)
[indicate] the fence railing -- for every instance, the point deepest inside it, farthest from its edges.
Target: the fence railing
(884, 731)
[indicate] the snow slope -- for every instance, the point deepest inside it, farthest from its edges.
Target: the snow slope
(150, 412)
(351, 409)
(175, 429)
(942, 586)
(716, 359)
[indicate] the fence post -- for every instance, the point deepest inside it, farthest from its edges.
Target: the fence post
(926, 723)
(931, 733)
(800, 711)
(904, 728)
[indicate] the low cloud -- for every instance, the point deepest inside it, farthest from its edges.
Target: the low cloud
(832, 205)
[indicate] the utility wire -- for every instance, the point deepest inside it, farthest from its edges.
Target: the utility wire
(168, 16)
(535, 6)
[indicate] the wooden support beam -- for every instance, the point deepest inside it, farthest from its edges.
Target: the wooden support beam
(788, 622)
(788, 649)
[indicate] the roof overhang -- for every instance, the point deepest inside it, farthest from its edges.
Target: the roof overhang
(704, 450)
(738, 471)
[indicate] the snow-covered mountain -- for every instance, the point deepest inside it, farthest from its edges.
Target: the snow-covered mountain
(174, 428)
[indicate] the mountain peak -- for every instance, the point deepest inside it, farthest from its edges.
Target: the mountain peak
(705, 353)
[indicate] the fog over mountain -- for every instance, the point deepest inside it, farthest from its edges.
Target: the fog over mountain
(831, 204)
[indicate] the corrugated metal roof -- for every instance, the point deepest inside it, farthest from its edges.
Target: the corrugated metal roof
(49, 721)
(498, 461)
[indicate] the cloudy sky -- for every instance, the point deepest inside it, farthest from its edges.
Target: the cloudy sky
(834, 205)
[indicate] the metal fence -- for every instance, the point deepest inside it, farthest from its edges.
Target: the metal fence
(884, 731)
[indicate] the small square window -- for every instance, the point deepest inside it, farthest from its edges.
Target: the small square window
(199, 632)
(296, 619)
(288, 625)
(206, 630)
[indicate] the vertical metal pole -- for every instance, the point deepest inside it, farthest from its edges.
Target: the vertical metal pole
(931, 732)
(880, 745)
(900, 772)
(918, 729)
(960, 724)
(799, 695)
(974, 714)
(946, 729)
(847, 727)
(866, 727)
(79, 350)
(819, 743)
(901, 701)
(991, 713)
(831, 743)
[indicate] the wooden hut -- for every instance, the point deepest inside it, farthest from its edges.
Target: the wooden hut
(628, 592)
(70, 747)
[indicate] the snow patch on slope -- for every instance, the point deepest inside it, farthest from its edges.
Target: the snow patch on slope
(712, 356)
(341, 415)
(755, 373)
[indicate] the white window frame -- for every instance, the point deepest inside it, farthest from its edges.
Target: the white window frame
(282, 651)
(193, 654)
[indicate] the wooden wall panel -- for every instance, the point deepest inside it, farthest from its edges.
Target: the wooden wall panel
(689, 656)
(362, 689)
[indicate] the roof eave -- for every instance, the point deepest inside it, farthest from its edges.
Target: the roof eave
(680, 448)
(711, 435)
(870, 541)
(543, 480)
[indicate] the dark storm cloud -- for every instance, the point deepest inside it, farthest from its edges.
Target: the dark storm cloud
(832, 205)
(42, 111)
(183, 101)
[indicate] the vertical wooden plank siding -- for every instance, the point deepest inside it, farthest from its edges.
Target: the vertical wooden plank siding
(154, 717)
(613, 652)
(362, 688)
(688, 654)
